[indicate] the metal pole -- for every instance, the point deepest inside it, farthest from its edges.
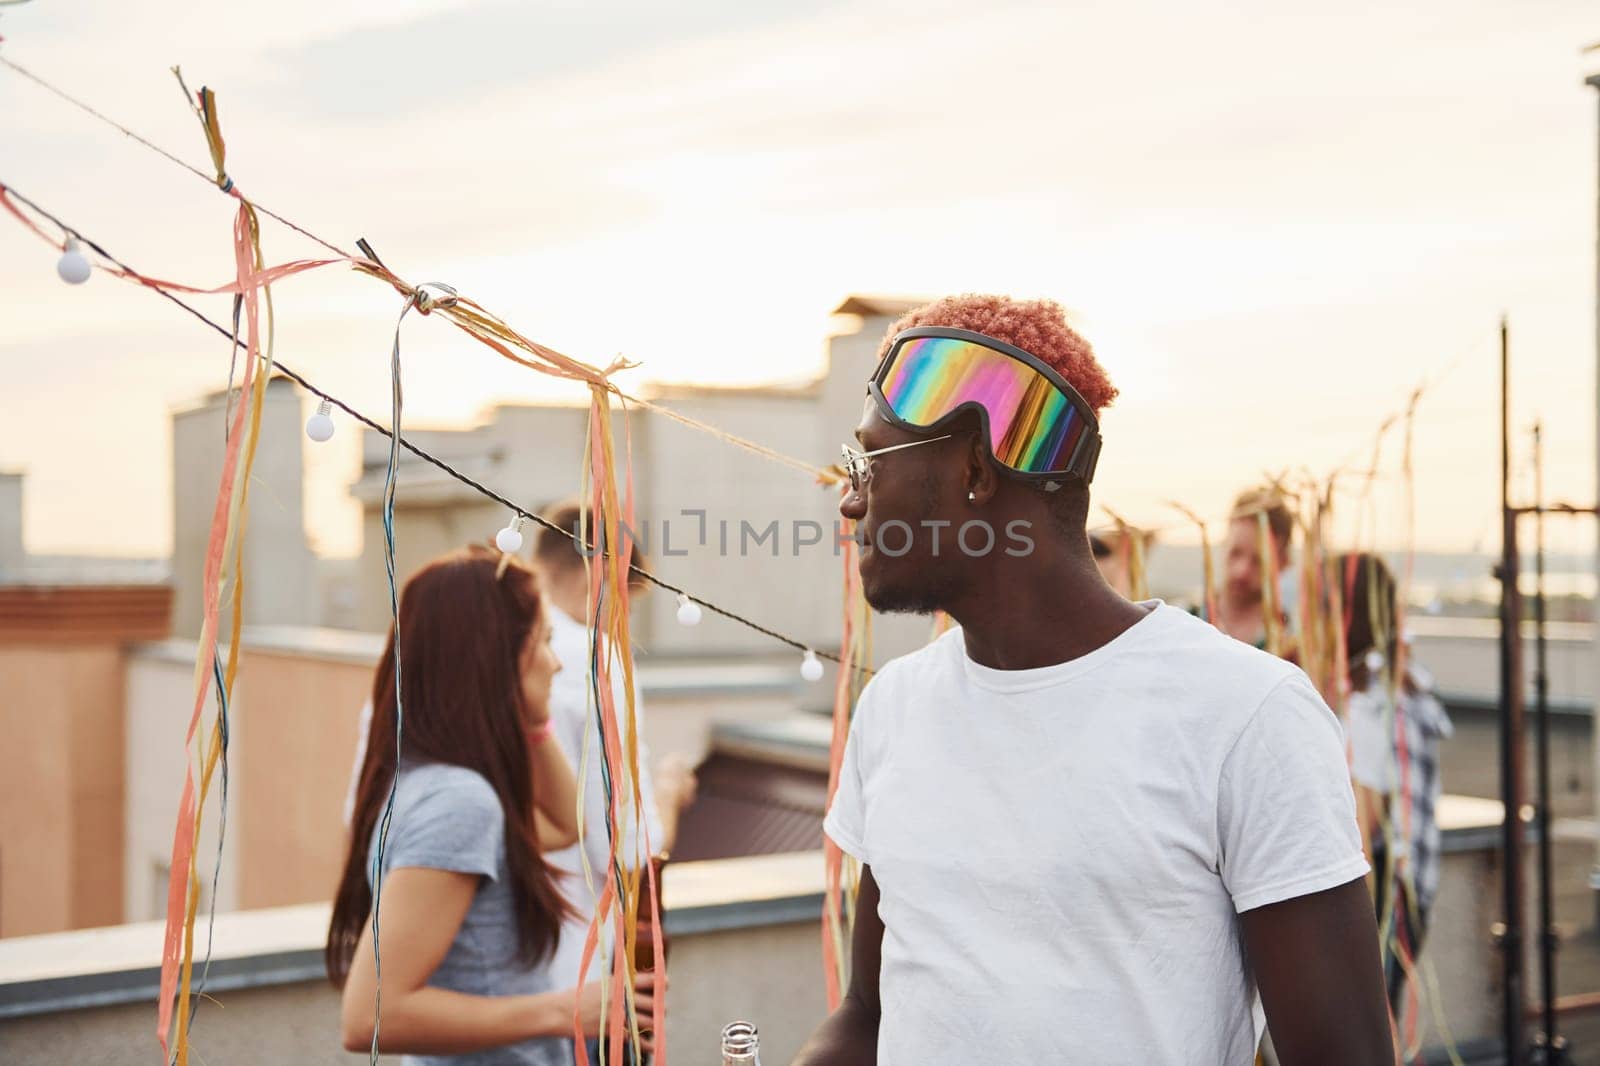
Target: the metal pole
(1554, 1046)
(1594, 82)
(1510, 734)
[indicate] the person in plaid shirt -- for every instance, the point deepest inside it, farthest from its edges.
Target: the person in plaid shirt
(1394, 732)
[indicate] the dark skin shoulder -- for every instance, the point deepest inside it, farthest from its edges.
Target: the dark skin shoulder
(1315, 960)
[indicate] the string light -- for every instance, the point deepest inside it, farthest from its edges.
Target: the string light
(689, 613)
(421, 453)
(811, 666)
(73, 266)
(509, 539)
(319, 427)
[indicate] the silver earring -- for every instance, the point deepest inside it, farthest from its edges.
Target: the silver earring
(972, 497)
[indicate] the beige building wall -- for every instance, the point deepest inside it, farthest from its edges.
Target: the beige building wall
(532, 455)
(300, 716)
(292, 738)
(279, 571)
(60, 794)
(739, 548)
(799, 589)
(293, 734)
(422, 533)
(160, 700)
(745, 543)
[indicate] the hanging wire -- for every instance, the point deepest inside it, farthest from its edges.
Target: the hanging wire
(823, 475)
(399, 440)
(390, 478)
(1367, 476)
(222, 835)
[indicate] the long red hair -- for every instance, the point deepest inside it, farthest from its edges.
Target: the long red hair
(465, 619)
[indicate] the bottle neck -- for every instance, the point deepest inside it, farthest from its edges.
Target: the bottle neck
(740, 1045)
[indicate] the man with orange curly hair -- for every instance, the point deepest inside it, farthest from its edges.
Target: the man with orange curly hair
(1091, 831)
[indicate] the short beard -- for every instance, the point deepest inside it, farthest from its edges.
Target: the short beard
(932, 596)
(924, 600)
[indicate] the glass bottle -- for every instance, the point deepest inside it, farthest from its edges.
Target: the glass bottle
(740, 1045)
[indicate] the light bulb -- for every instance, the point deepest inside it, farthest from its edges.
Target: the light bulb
(689, 612)
(509, 539)
(319, 427)
(73, 266)
(811, 667)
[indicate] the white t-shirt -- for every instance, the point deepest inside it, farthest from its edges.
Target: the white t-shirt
(573, 724)
(1061, 853)
(572, 721)
(1369, 727)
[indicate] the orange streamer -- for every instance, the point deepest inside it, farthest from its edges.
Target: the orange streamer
(225, 534)
(619, 900)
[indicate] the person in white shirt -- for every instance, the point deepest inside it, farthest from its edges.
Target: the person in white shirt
(574, 727)
(1395, 729)
(565, 583)
(1092, 831)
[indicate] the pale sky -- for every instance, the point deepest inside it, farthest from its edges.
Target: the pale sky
(1271, 225)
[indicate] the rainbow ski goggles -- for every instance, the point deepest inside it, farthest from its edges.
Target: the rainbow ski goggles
(1038, 426)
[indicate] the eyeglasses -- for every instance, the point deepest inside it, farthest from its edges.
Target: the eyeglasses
(860, 471)
(1037, 424)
